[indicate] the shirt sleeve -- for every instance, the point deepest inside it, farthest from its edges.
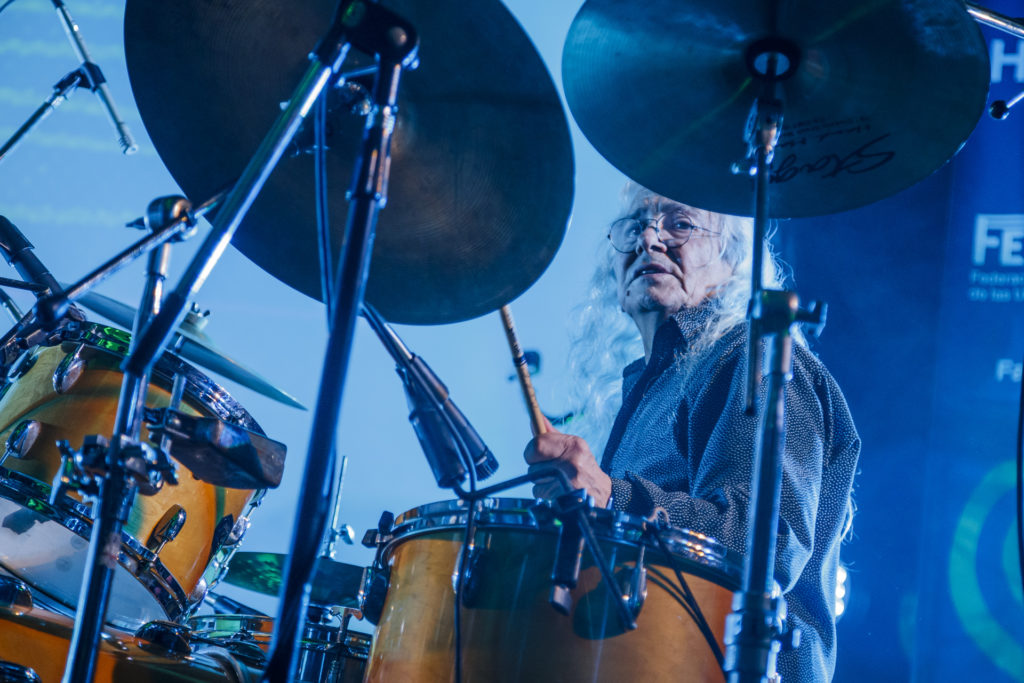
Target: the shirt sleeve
(716, 439)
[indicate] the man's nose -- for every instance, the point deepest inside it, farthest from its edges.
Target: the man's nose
(650, 239)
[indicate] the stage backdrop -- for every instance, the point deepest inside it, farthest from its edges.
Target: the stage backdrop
(925, 335)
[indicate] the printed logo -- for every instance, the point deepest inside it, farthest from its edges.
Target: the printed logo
(999, 235)
(1001, 61)
(997, 255)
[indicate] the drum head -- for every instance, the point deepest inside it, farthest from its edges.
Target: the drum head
(50, 557)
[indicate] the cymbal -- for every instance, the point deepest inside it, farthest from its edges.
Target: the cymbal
(883, 93)
(482, 170)
(335, 583)
(193, 344)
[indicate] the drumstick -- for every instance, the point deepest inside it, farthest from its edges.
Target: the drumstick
(538, 425)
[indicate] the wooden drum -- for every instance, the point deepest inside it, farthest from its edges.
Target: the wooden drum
(509, 630)
(69, 391)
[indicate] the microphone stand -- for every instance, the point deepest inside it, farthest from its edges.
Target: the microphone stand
(87, 74)
(169, 219)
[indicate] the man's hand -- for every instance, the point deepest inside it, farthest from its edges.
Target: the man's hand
(572, 455)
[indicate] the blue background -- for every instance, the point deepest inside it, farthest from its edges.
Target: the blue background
(934, 592)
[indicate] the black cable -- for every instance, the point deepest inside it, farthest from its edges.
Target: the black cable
(668, 584)
(464, 551)
(695, 611)
(1020, 484)
(5, 5)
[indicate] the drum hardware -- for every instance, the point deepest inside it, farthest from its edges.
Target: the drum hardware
(338, 530)
(634, 584)
(9, 305)
(219, 563)
(38, 639)
(328, 653)
(112, 473)
(53, 308)
(167, 529)
(21, 361)
(473, 566)
(16, 673)
(217, 452)
(17, 251)
(69, 370)
(375, 583)
(164, 637)
(21, 439)
(46, 545)
(174, 403)
(568, 551)
(15, 595)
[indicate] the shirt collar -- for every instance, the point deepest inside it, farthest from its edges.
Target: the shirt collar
(681, 330)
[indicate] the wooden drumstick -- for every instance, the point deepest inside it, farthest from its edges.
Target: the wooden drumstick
(538, 425)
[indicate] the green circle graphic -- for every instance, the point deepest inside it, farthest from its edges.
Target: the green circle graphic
(991, 638)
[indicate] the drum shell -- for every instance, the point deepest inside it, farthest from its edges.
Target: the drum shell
(511, 633)
(89, 406)
(40, 640)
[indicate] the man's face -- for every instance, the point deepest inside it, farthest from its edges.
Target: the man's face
(655, 278)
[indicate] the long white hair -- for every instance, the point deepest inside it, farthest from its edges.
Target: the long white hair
(605, 339)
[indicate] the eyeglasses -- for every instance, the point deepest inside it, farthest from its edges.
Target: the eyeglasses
(673, 230)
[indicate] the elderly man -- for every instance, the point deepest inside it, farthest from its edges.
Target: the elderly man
(680, 439)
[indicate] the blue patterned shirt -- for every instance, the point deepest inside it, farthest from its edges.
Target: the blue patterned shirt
(682, 441)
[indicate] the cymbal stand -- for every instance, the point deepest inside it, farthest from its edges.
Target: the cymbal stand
(753, 634)
(113, 475)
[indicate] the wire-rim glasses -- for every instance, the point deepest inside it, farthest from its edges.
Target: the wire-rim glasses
(673, 230)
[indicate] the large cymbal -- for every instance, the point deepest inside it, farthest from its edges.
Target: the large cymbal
(883, 94)
(482, 170)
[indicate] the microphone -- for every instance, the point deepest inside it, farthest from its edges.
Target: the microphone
(18, 252)
(95, 80)
(439, 424)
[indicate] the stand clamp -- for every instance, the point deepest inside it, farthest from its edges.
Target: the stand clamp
(83, 470)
